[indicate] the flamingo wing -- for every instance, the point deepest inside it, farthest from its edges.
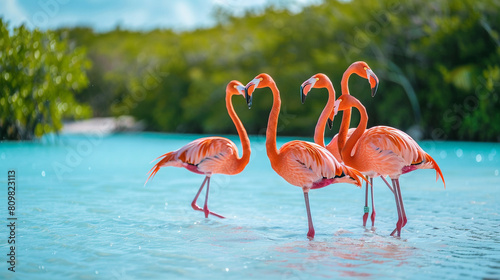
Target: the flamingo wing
(414, 157)
(210, 154)
(389, 150)
(204, 155)
(307, 163)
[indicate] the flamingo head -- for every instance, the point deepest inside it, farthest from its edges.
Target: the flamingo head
(235, 88)
(363, 70)
(261, 81)
(344, 102)
(317, 81)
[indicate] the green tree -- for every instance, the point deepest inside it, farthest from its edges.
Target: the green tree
(39, 76)
(438, 64)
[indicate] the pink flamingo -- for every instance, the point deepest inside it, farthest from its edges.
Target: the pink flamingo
(384, 151)
(303, 164)
(362, 69)
(211, 155)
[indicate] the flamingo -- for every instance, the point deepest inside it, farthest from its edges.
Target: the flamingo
(384, 151)
(300, 163)
(211, 155)
(362, 69)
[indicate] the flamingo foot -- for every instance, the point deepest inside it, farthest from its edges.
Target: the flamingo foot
(365, 218)
(216, 215)
(310, 234)
(198, 208)
(397, 229)
(373, 217)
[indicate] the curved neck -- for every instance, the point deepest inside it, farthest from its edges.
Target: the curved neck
(242, 133)
(346, 152)
(344, 84)
(346, 115)
(319, 131)
(272, 124)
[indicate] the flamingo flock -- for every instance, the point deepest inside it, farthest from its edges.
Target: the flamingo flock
(351, 155)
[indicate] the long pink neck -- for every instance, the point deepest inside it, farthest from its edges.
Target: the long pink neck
(242, 133)
(319, 131)
(346, 152)
(346, 115)
(272, 124)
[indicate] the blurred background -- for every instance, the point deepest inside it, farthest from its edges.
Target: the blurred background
(166, 64)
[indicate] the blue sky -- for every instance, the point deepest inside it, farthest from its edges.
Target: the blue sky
(136, 15)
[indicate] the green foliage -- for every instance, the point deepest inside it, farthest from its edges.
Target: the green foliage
(438, 64)
(39, 74)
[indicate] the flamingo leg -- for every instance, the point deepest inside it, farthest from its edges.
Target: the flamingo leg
(205, 207)
(366, 210)
(373, 203)
(387, 183)
(403, 212)
(400, 215)
(198, 208)
(310, 233)
(193, 204)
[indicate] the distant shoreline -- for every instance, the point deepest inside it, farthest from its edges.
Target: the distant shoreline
(103, 125)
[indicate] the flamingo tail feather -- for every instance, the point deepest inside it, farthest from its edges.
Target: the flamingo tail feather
(164, 159)
(355, 174)
(428, 158)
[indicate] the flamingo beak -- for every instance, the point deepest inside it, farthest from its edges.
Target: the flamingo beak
(306, 87)
(373, 80)
(336, 107)
(249, 89)
(248, 96)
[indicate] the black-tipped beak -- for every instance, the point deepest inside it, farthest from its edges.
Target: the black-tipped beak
(306, 87)
(373, 80)
(249, 88)
(302, 95)
(374, 90)
(248, 98)
(330, 123)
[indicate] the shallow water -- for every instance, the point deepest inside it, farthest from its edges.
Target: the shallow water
(83, 213)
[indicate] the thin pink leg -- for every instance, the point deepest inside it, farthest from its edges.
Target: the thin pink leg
(403, 212)
(198, 208)
(373, 203)
(205, 207)
(366, 209)
(387, 183)
(400, 216)
(310, 233)
(193, 204)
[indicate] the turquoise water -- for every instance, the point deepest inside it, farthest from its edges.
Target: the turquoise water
(83, 213)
